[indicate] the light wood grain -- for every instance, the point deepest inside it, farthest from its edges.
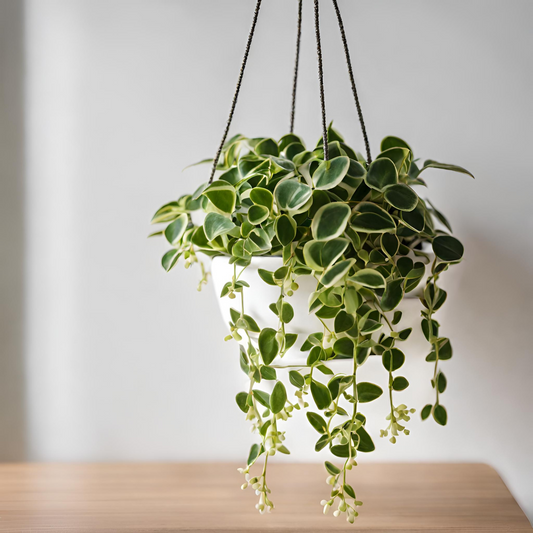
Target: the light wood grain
(152, 498)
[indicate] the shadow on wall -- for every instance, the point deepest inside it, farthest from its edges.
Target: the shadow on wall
(12, 390)
(492, 331)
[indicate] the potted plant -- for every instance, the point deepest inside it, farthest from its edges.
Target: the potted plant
(338, 244)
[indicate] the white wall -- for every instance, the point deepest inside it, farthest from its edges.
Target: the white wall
(125, 362)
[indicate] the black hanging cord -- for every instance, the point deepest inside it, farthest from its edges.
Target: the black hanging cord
(296, 64)
(321, 81)
(352, 80)
(237, 89)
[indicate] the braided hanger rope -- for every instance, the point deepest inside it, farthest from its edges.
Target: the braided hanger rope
(296, 65)
(321, 82)
(352, 81)
(237, 89)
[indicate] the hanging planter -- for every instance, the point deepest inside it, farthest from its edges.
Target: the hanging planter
(316, 252)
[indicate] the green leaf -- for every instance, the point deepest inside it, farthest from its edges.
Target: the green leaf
(331, 469)
(447, 248)
(257, 214)
(268, 345)
(170, 259)
(397, 317)
(340, 450)
(266, 276)
(288, 139)
(414, 219)
(344, 347)
(349, 490)
(262, 397)
(400, 383)
(258, 241)
(287, 312)
(397, 155)
(268, 373)
(216, 224)
(343, 322)
(278, 397)
(434, 164)
(290, 339)
(352, 300)
(382, 172)
(426, 411)
(366, 443)
(393, 359)
(321, 395)
(322, 442)
(285, 228)
(390, 244)
(290, 194)
(254, 453)
(404, 333)
(393, 142)
(317, 422)
(325, 370)
(405, 265)
(263, 197)
(245, 322)
(370, 278)
(167, 213)
(330, 221)
(242, 401)
(267, 147)
(441, 382)
(330, 173)
(336, 272)
(440, 415)
(321, 254)
(175, 230)
(367, 392)
(445, 350)
(293, 150)
(393, 295)
(296, 379)
(370, 218)
(222, 195)
(401, 197)
(265, 426)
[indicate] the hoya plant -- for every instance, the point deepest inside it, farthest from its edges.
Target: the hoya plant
(367, 238)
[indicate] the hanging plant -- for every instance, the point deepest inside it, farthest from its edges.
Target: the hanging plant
(361, 233)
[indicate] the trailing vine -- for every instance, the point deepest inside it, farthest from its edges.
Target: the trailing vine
(367, 238)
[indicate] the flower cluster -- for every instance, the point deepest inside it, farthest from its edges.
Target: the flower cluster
(261, 489)
(397, 414)
(341, 493)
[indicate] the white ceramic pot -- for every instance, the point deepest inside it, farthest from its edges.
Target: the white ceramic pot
(259, 296)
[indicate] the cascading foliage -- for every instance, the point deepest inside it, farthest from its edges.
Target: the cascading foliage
(364, 234)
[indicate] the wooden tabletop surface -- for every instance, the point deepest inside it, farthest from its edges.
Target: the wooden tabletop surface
(153, 498)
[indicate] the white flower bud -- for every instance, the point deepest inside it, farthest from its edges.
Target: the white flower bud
(336, 513)
(244, 486)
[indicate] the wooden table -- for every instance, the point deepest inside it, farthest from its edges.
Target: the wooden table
(117, 498)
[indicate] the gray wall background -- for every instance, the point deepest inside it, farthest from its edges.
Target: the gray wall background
(106, 357)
